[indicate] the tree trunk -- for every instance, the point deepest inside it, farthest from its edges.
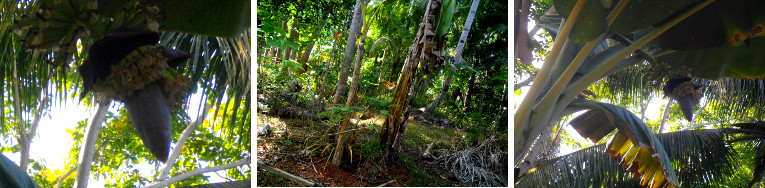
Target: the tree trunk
(326, 68)
(469, 91)
(393, 128)
(350, 49)
(522, 51)
(274, 54)
(342, 137)
(457, 58)
(294, 35)
(424, 85)
(311, 42)
(280, 53)
(88, 146)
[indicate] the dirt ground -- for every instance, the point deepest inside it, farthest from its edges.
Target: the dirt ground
(281, 150)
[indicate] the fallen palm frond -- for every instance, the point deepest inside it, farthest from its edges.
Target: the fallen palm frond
(485, 164)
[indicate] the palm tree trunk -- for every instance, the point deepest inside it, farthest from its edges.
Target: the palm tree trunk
(457, 58)
(350, 49)
(342, 137)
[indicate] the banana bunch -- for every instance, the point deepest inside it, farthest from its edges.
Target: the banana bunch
(51, 28)
(177, 88)
(141, 67)
(129, 67)
(56, 25)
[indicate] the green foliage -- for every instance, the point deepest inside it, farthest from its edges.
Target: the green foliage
(417, 177)
(445, 17)
(382, 104)
(370, 148)
(219, 19)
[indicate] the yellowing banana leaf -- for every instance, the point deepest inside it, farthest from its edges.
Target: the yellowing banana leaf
(633, 145)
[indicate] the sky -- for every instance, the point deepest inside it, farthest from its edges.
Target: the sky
(52, 143)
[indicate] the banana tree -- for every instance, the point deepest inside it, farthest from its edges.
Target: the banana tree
(710, 39)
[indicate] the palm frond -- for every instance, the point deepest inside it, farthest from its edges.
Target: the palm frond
(221, 67)
(752, 135)
(697, 155)
(737, 97)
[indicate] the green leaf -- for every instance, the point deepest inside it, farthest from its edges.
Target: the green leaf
(277, 42)
(401, 27)
(291, 44)
(384, 112)
(716, 24)
(592, 125)
(294, 65)
(703, 154)
(466, 66)
(206, 17)
(640, 14)
(746, 62)
(590, 23)
(374, 3)
(11, 175)
(446, 17)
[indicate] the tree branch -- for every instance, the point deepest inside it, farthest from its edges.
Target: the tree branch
(664, 115)
(187, 175)
(38, 112)
(281, 173)
(88, 147)
(182, 141)
(522, 83)
(22, 135)
(61, 179)
(698, 125)
(642, 111)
